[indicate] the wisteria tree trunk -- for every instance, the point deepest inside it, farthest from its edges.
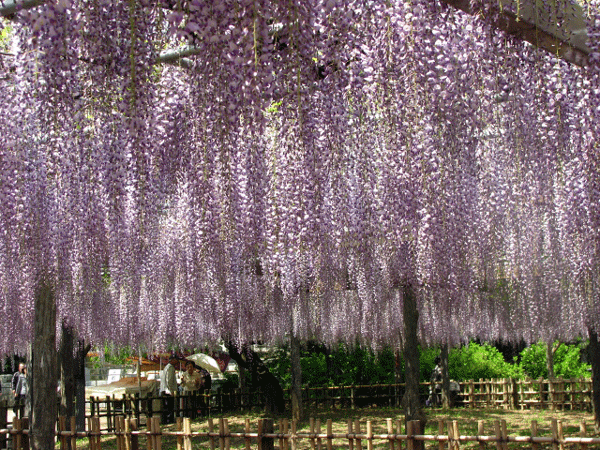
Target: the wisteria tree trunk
(296, 393)
(44, 374)
(446, 398)
(411, 401)
(67, 375)
(261, 377)
(82, 351)
(594, 355)
(72, 377)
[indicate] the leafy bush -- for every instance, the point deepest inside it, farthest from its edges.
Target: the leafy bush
(567, 361)
(475, 361)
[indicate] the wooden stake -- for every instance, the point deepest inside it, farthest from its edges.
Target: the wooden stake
(179, 427)
(187, 433)
(226, 431)
(62, 427)
(369, 435)
(247, 431)
(329, 435)
(498, 434)
(561, 435)
(410, 444)
(480, 432)
(211, 429)
(357, 431)
(583, 434)
(440, 433)
(135, 440)
(157, 433)
(319, 440)
(554, 434)
(350, 438)
(456, 435)
(534, 432)
(390, 431)
(293, 436)
(73, 433)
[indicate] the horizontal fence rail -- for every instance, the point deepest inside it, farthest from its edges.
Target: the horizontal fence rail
(287, 436)
(507, 393)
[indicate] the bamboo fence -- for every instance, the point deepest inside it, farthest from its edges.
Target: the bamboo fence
(263, 436)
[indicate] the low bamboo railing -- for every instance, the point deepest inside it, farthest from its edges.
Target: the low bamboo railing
(263, 436)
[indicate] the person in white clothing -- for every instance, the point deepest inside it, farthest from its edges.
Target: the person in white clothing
(168, 388)
(191, 382)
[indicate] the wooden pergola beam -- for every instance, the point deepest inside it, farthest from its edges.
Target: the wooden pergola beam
(534, 34)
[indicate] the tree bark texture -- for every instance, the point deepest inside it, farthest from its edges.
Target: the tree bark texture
(67, 375)
(411, 400)
(44, 374)
(82, 351)
(261, 377)
(594, 355)
(446, 397)
(296, 378)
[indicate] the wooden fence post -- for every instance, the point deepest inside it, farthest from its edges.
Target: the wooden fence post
(62, 427)
(227, 436)
(583, 434)
(221, 433)
(480, 432)
(350, 436)
(17, 436)
(283, 429)
(554, 434)
(211, 430)
(440, 433)
(356, 432)
(3, 422)
(179, 427)
(471, 394)
(390, 430)
(294, 435)
(247, 431)
(318, 431)
(329, 435)
(265, 426)
(187, 433)
(73, 433)
(369, 435)
(541, 393)
(410, 432)
(156, 432)
(134, 438)
(534, 432)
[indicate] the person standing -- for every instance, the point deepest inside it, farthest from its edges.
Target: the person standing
(168, 388)
(20, 392)
(15, 378)
(191, 382)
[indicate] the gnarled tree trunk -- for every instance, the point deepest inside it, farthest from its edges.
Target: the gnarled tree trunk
(411, 401)
(44, 379)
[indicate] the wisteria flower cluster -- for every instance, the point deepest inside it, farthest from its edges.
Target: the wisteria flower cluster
(302, 164)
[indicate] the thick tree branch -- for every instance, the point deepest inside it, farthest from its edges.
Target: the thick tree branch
(527, 31)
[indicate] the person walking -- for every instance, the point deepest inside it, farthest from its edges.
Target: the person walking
(20, 393)
(15, 378)
(168, 388)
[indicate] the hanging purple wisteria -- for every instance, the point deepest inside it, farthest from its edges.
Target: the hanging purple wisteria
(302, 163)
